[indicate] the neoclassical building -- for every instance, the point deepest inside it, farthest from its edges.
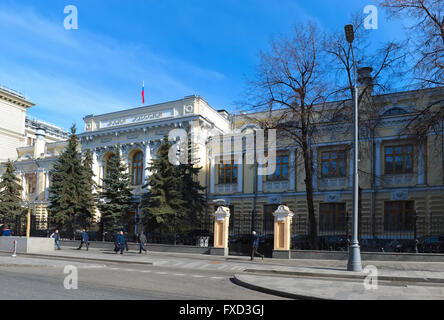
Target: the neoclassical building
(401, 179)
(33, 145)
(139, 132)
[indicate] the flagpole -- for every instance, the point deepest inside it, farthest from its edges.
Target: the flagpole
(143, 92)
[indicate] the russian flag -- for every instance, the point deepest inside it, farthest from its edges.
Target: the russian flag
(143, 92)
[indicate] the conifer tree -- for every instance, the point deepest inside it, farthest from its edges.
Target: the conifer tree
(11, 204)
(66, 191)
(162, 205)
(115, 198)
(84, 217)
(191, 189)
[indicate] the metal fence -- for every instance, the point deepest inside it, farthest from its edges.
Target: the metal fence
(424, 234)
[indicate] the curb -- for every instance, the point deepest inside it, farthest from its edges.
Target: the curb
(81, 258)
(283, 294)
(340, 276)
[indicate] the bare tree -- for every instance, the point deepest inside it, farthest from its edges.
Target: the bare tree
(288, 85)
(386, 63)
(427, 32)
(376, 71)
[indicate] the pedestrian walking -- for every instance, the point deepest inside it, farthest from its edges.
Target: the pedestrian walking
(116, 243)
(120, 239)
(84, 240)
(56, 236)
(142, 240)
(255, 244)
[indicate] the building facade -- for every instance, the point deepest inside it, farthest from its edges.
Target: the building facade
(33, 146)
(401, 178)
(13, 107)
(137, 133)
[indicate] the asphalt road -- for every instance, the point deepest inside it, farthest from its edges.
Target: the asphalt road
(43, 278)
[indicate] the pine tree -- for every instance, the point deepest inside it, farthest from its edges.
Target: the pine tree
(11, 204)
(162, 205)
(67, 188)
(191, 189)
(84, 217)
(115, 198)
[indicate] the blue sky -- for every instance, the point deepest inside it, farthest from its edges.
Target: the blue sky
(178, 47)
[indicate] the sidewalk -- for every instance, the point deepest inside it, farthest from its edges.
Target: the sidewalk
(309, 279)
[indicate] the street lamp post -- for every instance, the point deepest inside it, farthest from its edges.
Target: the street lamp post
(354, 252)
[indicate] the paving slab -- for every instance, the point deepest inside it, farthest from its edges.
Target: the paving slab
(310, 288)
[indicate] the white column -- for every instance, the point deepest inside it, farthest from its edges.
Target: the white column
(315, 169)
(46, 185)
(260, 179)
(292, 168)
(37, 180)
(378, 162)
(102, 169)
(421, 163)
(95, 167)
(239, 172)
(212, 169)
(23, 185)
(146, 162)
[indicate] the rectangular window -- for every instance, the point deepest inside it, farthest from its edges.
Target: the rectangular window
(228, 173)
(281, 172)
(332, 217)
(398, 215)
(333, 164)
(398, 159)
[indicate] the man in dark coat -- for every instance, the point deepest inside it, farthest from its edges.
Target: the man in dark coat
(255, 246)
(121, 241)
(84, 240)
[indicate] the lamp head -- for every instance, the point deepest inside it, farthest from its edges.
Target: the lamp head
(349, 33)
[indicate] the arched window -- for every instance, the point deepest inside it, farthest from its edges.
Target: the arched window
(394, 112)
(137, 169)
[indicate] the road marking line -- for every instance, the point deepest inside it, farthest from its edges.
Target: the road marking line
(179, 274)
(197, 276)
(162, 272)
(145, 271)
(218, 278)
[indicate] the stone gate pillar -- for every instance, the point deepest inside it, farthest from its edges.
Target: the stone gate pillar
(282, 232)
(221, 223)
